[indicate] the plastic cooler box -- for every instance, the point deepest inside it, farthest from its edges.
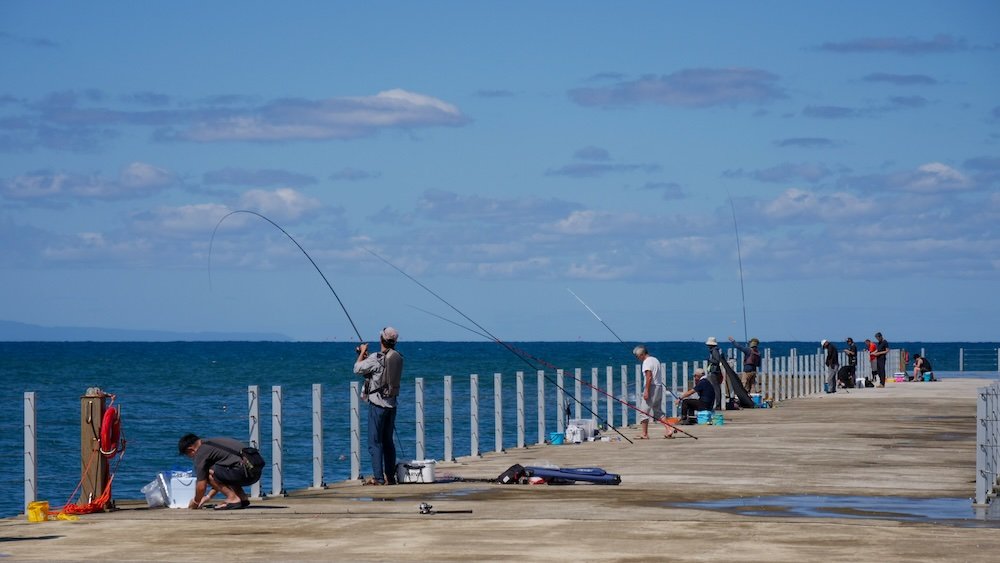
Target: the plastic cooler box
(181, 489)
(587, 426)
(416, 471)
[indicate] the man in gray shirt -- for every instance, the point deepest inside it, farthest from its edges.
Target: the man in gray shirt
(382, 372)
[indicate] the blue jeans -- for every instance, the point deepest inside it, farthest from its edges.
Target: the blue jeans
(381, 423)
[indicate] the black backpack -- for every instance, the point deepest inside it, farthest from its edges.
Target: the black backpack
(514, 474)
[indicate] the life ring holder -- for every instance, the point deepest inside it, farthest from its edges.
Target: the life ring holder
(111, 428)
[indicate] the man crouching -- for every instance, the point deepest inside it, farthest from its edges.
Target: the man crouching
(220, 467)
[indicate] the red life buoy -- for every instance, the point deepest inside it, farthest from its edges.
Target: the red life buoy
(111, 427)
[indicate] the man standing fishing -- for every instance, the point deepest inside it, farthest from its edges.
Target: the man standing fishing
(832, 363)
(751, 362)
(652, 394)
(715, 360)
(881, 353)
(382, 372)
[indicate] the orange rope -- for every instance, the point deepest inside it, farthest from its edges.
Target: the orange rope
(101, 502)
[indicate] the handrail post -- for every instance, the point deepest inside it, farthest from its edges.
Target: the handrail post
(317, 414)
(30, 449)
(418, 403)
(519, 381)
(355, 430)
(449, 441)
(474, 414)
(277, 447)
(253, 407)
(497, 413)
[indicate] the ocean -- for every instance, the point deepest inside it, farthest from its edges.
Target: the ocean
(166, 389)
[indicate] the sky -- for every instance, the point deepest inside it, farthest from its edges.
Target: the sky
(785, 170)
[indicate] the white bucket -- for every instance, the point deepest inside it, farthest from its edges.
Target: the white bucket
(416, 471)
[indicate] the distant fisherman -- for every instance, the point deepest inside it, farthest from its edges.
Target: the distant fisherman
(714, 376)
(382, 372)
(751, 362)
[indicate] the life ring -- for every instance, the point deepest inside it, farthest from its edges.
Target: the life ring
(906, 357)
(111, 427)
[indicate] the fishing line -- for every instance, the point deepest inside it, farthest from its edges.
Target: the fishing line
(623, 342)
(525, 354)
(498, 341)
(739, 256)
(291, 238)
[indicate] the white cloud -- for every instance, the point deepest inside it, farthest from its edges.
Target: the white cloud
(933, 177)
(332, 118)
(136, 180)
(284, 203)
(799, 204)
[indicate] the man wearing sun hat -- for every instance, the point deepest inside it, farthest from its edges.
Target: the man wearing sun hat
(382, 372)
(715, 360)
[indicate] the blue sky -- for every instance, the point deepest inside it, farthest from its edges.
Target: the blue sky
(502, 153)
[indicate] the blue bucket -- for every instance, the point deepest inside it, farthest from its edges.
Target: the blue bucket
(717, 419)
(927, 377)
(557, 438)
(703, 416)
(756, 400)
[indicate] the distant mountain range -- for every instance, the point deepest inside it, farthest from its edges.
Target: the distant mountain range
(11, 331)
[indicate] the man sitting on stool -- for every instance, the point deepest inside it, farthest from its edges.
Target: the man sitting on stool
(700, 398)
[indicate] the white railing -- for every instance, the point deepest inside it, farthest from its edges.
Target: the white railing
(987, 444)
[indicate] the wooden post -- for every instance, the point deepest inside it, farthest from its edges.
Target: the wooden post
(93, 465)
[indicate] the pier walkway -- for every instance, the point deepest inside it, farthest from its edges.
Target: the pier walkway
(902, 444)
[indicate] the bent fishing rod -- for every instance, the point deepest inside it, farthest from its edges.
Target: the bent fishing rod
(291, 238)
(492, 337)
(623, 342)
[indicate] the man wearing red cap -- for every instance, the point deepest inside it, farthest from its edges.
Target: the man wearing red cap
(382, 372)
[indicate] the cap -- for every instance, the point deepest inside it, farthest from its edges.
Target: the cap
(823, 343)
(711, 341)
(389, 334)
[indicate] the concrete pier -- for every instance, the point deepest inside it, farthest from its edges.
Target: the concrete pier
(913, 440)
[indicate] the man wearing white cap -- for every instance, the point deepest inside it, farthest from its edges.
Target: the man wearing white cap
(382, 372)
(832, 363)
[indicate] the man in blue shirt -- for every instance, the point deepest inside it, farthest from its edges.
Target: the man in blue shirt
(704, 401)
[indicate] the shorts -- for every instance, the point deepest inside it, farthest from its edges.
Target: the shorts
(234, 475)
(654, 406)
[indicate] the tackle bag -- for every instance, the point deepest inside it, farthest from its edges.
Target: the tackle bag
(513, 475)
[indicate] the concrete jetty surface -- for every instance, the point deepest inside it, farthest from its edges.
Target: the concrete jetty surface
(909, 440)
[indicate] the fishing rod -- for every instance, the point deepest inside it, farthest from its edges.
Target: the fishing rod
(520, 352)
(490, 335)
(595, 315)
(623, 342)
(291, 238)
(739, 257)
